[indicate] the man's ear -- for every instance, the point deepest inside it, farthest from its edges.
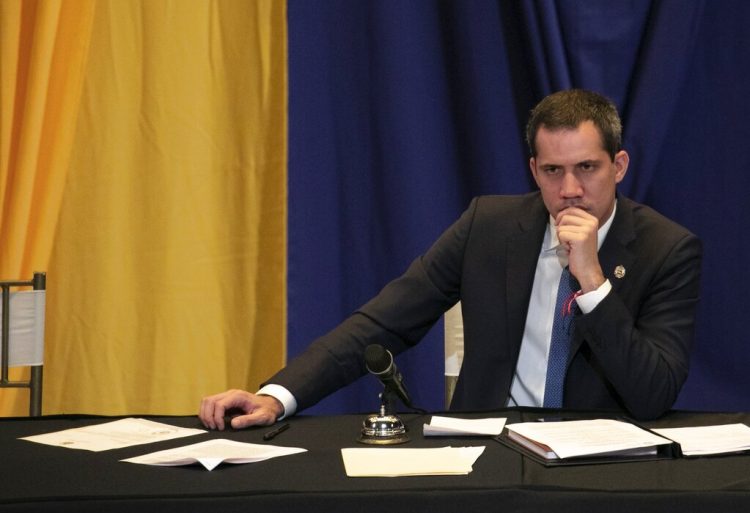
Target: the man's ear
(622, 160)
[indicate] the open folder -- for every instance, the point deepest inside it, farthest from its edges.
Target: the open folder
(578, 442)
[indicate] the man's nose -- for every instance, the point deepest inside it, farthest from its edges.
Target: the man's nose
(570, 186)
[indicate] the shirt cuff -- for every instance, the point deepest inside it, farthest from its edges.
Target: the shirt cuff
(284, 396)
(587, 302)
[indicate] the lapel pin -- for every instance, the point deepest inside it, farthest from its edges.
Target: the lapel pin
(619, 271)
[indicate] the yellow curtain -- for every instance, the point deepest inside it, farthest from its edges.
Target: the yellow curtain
(43, 48)
(166, 279)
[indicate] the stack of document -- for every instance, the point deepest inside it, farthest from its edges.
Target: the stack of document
(449, 426)
(705, 440)
(585, 438)
(397, 461)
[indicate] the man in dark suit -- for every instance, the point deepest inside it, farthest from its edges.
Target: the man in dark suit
(637, 279)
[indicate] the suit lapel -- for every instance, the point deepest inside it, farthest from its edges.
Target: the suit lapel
(614, 255)
(522, 252)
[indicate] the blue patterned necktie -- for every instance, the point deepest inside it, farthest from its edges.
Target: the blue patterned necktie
(562, 328)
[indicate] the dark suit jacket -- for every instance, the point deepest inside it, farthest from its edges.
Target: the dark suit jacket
(631, 353)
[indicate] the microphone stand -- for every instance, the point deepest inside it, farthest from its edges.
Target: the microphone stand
(385, 427)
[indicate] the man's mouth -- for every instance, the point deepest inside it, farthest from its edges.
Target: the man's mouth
(581, 206)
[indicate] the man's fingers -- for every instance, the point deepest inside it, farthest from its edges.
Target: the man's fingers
(259, 417)
(254, 410)
(263, 411)
(576, 225)
(211, 414)
(214, 408)
(575, 216)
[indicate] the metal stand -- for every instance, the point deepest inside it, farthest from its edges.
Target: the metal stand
(385, 427)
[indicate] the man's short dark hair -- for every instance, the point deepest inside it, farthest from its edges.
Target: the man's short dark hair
(568, 109)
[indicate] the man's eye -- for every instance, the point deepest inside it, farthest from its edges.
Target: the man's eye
(586, 166)
(552, 170)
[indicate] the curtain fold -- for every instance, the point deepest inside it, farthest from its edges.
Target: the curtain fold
(660, 76)
(167, 275)
(547, 45)
(43, 45)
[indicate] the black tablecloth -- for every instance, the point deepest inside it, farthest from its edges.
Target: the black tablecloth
(36, 477)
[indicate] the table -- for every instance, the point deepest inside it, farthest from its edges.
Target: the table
(37, 477)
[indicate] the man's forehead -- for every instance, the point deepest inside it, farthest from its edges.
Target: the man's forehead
(585, 138)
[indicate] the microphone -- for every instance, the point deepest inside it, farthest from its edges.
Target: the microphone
(379, 362)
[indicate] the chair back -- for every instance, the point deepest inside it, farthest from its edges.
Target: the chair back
(454, 349)
(22, 335)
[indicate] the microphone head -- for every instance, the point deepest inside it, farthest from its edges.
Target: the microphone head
(377, 359)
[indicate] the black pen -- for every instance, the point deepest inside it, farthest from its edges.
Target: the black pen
(275, 432)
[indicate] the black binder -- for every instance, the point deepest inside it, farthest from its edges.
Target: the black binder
(661, 452)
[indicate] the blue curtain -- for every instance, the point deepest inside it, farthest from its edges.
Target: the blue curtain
(401, 111)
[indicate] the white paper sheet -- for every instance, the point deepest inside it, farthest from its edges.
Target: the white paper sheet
(395, 462)
(587, 437)
(113, 435)
(447, 426)
(703, 440)
(213, 452)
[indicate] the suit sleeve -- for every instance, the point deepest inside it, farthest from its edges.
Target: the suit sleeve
(397, 318)
(644, 350)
